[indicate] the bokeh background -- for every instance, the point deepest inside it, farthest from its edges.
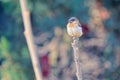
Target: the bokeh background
(99, 45)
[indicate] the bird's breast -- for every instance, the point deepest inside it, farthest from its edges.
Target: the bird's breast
(72, 25)
(74, 31)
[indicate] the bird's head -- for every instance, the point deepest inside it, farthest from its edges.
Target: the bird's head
(73, 21)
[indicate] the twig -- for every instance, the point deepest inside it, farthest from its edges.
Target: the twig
(76, 58)
(29, 38)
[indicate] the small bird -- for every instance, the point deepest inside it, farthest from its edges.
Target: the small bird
(74, 28)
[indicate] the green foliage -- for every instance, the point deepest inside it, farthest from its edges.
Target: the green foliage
(4, 47)
(5, 1)
(15, 66)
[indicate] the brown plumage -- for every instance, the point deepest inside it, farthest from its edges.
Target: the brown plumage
(74, 28)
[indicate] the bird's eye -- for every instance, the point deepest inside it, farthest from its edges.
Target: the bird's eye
(71, 20)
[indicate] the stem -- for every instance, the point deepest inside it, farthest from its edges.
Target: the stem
(76, 58)
(29, 38)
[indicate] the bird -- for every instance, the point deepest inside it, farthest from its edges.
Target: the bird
(74, 28)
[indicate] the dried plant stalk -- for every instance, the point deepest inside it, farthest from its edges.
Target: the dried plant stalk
(29, 38)
(76, 58)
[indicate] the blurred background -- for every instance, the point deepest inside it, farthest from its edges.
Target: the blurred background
(99, 45)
